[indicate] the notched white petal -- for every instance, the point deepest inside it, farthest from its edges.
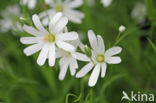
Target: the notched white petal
(113, 51)
(92, 39)
(113, 60)
(32, 4)
(80, 56)
(52, 55)
(65, 46)
(94, 76)
(73, 66)
(75, 3)
(103, 70)
(38, 24)
(30, 40)
(33, 49)
(101, 45)
(54, 20)
(74, 16)
(68, 36)
(31, 30)
(60, 25)
(43, 55)
(84, 70)
(63, 71)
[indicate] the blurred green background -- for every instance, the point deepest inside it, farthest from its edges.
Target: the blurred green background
(23, 81)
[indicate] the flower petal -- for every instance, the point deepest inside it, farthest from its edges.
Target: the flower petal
(68, 36)
(45, 13)
(81, 46)
(63, 71)
(38, 24)
(113, 60)
(31, 40)
(53, 21)
(73, 66)
(45, 21)
(74, 16)
(31, 30)
(106, 3)
(65, 46)
(80, 56)
(62, 61)
(92, 39)
(76, 13)
(75, 3)
(84, 70)
(49, 2)
(31, 4)
(52, 54)
(94, 76)
(113, 51)
(103, 71)
(33, 49)
(101, 46)
(60, 25)
(59, 53)
(43, 55)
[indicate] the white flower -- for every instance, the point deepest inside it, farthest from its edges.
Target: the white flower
(122, 28)
(106, 3)
(67, 8)
(139, 12)
(30, 3)
(10, 19)
(99, 58)
(46, 41)
(68, 60)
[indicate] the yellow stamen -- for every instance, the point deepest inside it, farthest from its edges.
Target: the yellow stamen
(100, 58)
(49, 38)
(66, 54)
(59, 8)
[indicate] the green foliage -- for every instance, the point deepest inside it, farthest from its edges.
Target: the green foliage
(23, 81)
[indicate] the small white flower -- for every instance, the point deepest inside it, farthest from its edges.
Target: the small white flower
(68, 60)
(139, 12)
(46, 41)
(99, 59)
(30, 3)
(67, 8)
(106, 3)
(122, 28)
(10, 19)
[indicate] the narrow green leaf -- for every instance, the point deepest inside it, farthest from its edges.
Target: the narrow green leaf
(152, 44)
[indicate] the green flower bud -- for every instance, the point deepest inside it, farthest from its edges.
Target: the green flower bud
(87, 51)
(24, 21)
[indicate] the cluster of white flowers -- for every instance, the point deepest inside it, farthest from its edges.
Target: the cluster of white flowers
(56, 42)
(51, 37)
(30, 3)
(98, 58)
(139, 12)
(106, 3)
(10, 19)
(67, 8)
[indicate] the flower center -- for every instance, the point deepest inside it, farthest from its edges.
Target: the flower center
(66, 54)
(49, 38)
(59, 8)
(100, 58)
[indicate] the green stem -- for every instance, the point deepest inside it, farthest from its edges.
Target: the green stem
(82, 91)
(91, 95)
